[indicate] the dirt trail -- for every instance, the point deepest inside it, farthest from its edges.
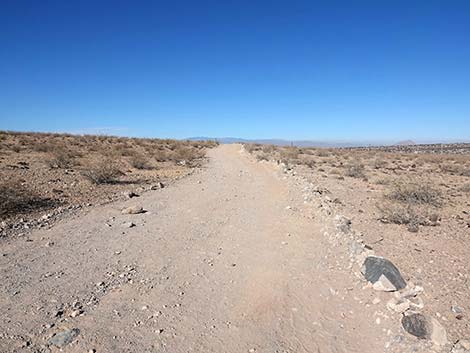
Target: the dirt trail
(219, 263)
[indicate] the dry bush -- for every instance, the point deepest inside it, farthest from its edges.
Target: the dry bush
(400, 214)
(322, 153)
(409, 215)
(252, 147)
(268, 149)
(16, 198)
(465, 188)
(410, 192)
(308, 161)
(62, 158)
(355, 170)
(379, 163)
(289, 154)
(102, 171)
(262, 156)
(139, 161)
(186, 154)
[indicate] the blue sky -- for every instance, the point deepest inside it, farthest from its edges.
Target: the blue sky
(377, 70)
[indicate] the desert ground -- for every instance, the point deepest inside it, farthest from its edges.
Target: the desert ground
(134, 245)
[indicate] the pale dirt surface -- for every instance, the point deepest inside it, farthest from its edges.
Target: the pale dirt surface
(217, 264)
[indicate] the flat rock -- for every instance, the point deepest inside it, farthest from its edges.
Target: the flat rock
(384, 273)
(133, 210)
(63, 338)
(438, 333)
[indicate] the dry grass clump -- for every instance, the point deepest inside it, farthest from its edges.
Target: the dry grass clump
(16, 198)
(379, 163)
(62, 158)
(407, 215)
(289, 155)
(412, 204)
(102, 171)
(355, 170)
(183, 154)
(465, 188)
(262, 156)
(139, 161)
(415, 193)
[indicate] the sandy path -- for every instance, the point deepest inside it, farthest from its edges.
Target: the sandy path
(217, 264)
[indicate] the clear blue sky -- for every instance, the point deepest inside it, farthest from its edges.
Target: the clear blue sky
(326, 70)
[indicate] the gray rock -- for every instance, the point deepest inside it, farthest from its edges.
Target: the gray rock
(378, 269)
(416, 325)
(63, 338)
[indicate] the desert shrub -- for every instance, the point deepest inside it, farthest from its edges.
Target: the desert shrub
(465, 188)
(409, 215)
(355, 170)
(16, 198)
(62, 158)
(382, 181)
(187, 154)
(289, 154)
(378, 163)
(262, 156)
(102, 171)
(322, 153)
(139, 161)
(268, 149)
(308, 161)
(251, 147)
(400, 214)
(415, 193)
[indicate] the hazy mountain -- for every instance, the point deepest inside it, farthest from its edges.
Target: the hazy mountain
(406, 143)
(281, 142)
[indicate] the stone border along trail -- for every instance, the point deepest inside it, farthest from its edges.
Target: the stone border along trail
(241, 256)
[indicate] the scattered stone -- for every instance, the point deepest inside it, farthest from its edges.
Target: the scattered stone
(343, 224)
(416, 325)
(438, 333)
(131, 194)
(398, 305)
(129, 224)
(383, 274)
(465, 344)
(456, 309)
(133, 210)
(157, 186)
(76, 313)
(63, 338)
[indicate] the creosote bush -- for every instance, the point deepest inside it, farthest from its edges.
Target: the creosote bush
(139, 161)
(356, 170)
(414, 193)
(62, 158)
(16, 198)
(103, 171)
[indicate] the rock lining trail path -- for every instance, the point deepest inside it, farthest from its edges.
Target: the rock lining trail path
(225, 260)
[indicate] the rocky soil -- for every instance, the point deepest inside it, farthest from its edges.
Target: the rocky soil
(241, 256)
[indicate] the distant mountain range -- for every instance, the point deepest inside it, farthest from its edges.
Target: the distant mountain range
(298, 143)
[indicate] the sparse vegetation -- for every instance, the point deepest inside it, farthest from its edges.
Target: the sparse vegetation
(62, 158)
(102, 171)
(410, 192)
(356, 170)
(17, 198)
(60, 167)
(139, 161)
